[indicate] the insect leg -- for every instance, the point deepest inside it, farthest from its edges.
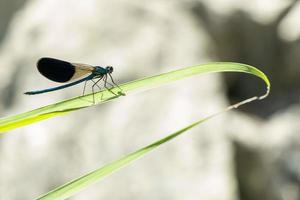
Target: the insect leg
(119, 92)
(93, 94)
(96, 84)
(84, 88)
(112, 80)
(105, 82)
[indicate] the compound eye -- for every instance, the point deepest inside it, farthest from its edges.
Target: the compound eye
(110, 69)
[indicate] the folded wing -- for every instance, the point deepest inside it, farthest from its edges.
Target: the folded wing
(62, 71)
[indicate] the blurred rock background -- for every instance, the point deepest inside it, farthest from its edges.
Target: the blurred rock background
(251, 153)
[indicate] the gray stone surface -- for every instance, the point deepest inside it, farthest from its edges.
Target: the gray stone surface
(139, 38)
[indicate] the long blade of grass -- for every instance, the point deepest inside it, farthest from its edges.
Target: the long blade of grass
(69, 189)
(12, 122)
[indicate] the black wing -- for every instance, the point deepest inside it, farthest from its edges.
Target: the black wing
(56, 70)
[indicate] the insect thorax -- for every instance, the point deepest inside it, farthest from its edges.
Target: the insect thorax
(100, 71)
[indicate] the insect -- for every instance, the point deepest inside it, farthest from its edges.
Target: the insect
(63, 71)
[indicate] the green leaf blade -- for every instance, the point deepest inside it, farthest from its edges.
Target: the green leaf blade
(71, 188)
(13, 122)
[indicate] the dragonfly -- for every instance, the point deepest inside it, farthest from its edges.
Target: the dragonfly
(62, 71)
